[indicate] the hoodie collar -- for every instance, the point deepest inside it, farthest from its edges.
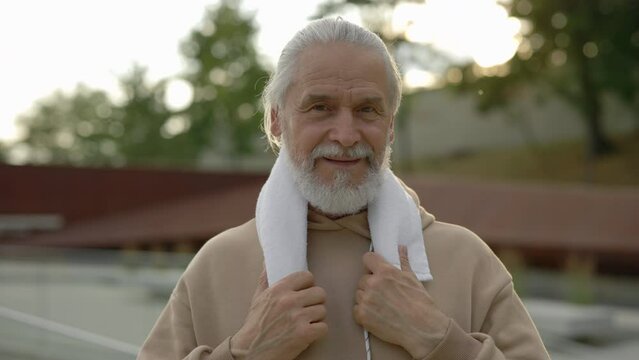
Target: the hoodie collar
(358, 223)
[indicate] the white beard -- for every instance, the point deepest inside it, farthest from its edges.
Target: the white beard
(340, 197)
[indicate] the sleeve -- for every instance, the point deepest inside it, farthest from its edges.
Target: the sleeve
(507, 333)
(173, 338)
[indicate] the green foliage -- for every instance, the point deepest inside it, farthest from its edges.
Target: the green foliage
(86, 128)
(227, 80)
(140, 120)
(578, 50)
(72, 128)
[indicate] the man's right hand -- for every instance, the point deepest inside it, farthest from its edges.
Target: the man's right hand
(283, 320)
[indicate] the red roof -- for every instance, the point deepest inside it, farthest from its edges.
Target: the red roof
(84, 193)
(589, 219)
(191, 219)
(578, 218)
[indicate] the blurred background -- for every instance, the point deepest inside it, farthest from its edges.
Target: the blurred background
(130, 134)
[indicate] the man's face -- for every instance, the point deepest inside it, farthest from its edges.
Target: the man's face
(338, 97)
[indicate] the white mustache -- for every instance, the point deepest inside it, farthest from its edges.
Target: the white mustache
(360, 150)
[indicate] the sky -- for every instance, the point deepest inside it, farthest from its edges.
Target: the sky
(56, 44)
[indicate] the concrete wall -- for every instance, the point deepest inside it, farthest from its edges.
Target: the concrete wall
(442, 123)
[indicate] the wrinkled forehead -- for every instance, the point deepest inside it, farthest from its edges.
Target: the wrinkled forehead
(321, 67)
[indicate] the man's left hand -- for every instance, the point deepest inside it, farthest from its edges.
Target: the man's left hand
(394, 306)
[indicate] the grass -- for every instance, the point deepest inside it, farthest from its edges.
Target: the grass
(560, 162)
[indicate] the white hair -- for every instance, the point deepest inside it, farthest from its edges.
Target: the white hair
(323, 31)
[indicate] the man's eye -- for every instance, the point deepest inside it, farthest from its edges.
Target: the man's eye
(368, 109)
(319, 107)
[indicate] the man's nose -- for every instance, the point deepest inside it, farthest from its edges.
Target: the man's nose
(344, 129)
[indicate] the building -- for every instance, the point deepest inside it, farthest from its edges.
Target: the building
(163, 210)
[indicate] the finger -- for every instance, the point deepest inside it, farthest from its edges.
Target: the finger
(403, 258)
(314, 313)
(262, 283)
(374, 262)
(312, 296)
(363, 282)
(319, 329)
(295, 281)
(357, 314)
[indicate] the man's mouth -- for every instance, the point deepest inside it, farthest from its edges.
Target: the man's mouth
(339, 161)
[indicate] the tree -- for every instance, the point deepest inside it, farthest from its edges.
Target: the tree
(141, 119)
(578, 50)
(227, 79)
(86, 128)
(74, 128)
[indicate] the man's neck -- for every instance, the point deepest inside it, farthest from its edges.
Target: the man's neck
(333, 216)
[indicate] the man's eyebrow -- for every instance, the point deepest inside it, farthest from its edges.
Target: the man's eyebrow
(310, 98)
(378, 100)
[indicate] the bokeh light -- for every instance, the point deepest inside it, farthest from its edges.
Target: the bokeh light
(179, 95)
(175, 125)
(416, 78)
(480, 30)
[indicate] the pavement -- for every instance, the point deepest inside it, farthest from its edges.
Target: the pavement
(103, 311)
(585, 332)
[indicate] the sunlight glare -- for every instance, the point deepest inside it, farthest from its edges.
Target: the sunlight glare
(8, 130)
(478, 29)
(416, 78)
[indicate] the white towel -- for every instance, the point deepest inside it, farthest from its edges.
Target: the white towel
(281, 216)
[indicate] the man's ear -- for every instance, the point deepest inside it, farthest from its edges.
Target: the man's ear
(391, 129)
(276, 123)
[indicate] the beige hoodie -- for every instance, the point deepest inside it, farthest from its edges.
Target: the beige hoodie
(471, 286)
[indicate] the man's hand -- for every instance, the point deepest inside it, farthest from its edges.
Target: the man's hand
(283, 320)
(394, 306)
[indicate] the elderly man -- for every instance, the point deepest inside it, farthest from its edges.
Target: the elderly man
(341, 262)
